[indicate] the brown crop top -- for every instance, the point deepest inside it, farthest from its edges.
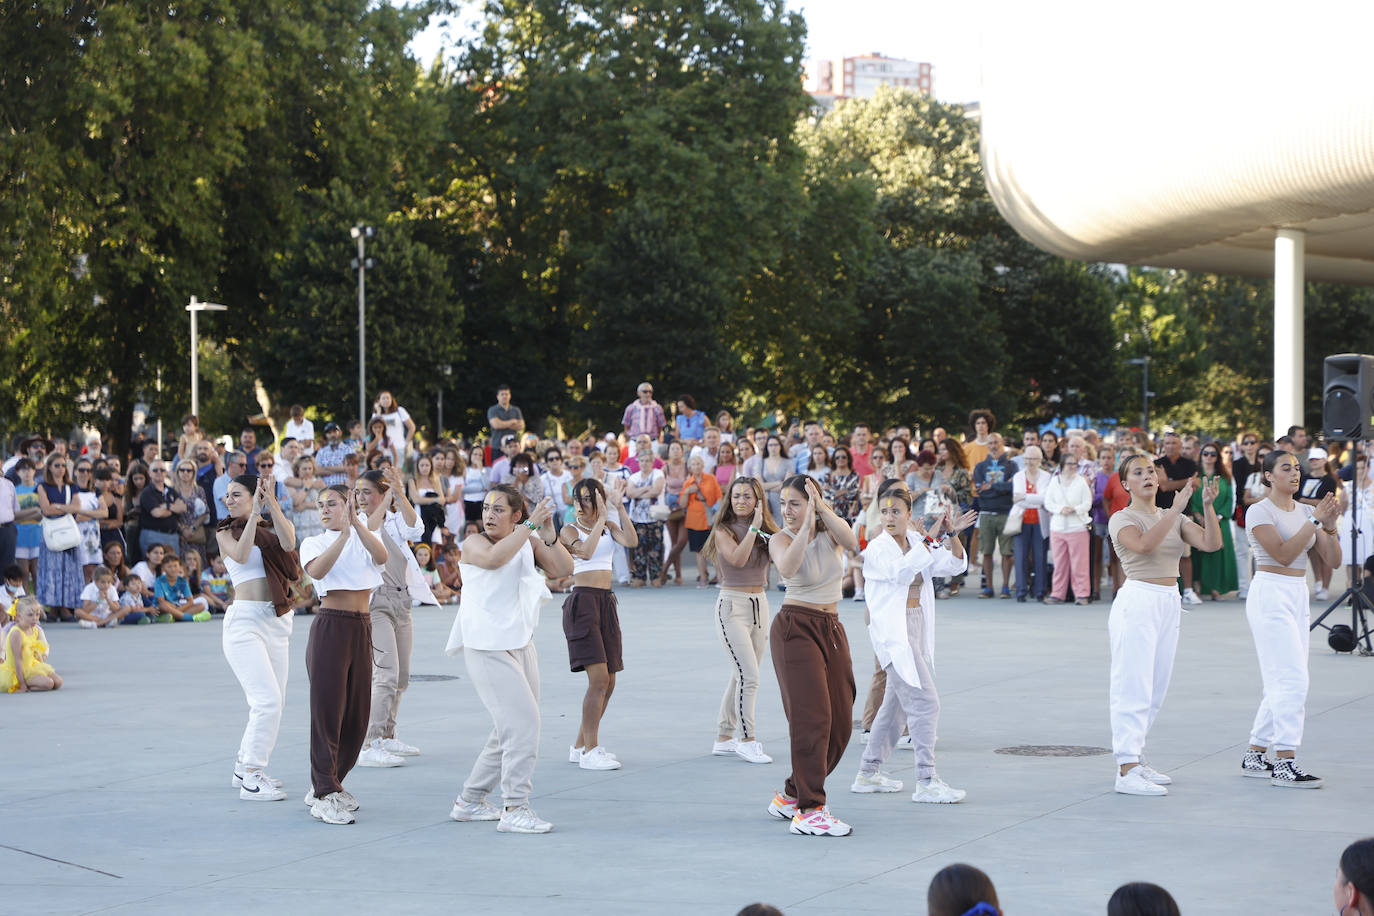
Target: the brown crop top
(754, 573)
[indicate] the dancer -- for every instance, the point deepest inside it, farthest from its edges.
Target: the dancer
(1281, 531)
(738, 545)
(382, 496)
(1144, 622)
(345, 563)
(590, 621)
(262, 565)
(900, 564)
(494, 629)
(811, 654)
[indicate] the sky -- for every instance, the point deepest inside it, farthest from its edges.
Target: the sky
(938, 32)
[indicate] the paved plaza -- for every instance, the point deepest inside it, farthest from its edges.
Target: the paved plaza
(116, 793)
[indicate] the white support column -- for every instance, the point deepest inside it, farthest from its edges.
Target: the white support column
(1289, 248)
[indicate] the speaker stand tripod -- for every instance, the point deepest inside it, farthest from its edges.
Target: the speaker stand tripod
(1354, 592)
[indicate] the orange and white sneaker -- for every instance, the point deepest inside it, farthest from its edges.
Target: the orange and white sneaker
(782, 807)
(819, 822)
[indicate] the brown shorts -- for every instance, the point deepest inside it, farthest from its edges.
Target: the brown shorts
(592, 628)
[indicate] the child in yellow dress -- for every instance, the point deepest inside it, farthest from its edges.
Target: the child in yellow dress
(25, 667)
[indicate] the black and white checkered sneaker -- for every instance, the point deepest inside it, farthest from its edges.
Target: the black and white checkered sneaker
(1254, 765)
(1288, 775)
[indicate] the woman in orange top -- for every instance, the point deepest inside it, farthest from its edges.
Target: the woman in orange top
(700, 494)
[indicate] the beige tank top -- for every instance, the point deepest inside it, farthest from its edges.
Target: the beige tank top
(818, 581)
(754, 573)
(1163, 562)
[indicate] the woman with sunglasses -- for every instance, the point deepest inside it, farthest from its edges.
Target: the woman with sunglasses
(1215, 571)
(59, 580)
(1242, 466)
(738, 546)
(191, 523)
(1281, 532)
(88, 519)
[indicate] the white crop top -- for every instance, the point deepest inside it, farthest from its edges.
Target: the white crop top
(601, 558)
(354, 569)
(819, 578)
(239, 573)
(1288, 523)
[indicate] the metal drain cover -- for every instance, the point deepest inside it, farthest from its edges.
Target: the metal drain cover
(434, 677)
(1053, 750)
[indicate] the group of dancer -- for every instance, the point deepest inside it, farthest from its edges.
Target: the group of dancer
(360, 643)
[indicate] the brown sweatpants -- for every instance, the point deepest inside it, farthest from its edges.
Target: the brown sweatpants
(338, 661)
(816, 680)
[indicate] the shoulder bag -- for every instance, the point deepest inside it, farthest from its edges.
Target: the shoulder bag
(60, 532)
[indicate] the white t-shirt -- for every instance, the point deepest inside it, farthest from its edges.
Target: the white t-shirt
(144, 572)
(353, 570)
(303, 432)
(553, 488)
(1287, 523)
(396, 428)
(281, 470)
(104, 604)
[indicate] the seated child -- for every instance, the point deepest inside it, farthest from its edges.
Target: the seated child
(25, 668)
(448, 570)
(149, 567)
(139, 604)
(215, 585)
(100, 605)
(173, 592)
(424, 555)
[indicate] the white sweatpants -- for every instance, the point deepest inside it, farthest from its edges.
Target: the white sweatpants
(1143, 629)
(1278, 613)
(507, 683)
(257, 645)
(742, 624)
(916, 708)
(1242, 543)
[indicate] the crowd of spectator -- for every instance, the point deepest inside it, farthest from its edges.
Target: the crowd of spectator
(1043, 497)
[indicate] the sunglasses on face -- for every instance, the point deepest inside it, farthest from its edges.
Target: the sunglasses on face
(1209, 454)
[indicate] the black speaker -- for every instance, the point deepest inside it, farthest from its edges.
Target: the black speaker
(1348, 397)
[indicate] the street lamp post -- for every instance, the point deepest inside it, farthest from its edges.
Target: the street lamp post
(361, 264)
(1145, 393)
(446, 370)
(195, 308)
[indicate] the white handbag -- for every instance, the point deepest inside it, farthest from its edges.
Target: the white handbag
(60, 532)
(1013, 525)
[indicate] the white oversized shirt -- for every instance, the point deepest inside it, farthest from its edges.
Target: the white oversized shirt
(888, 574)
(500, 607)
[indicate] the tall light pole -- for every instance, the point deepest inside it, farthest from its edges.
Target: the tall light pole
(195, 308)
(1145, 393)
(446, 370)
(361, 264)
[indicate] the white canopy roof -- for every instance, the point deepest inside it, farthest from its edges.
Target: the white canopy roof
(1184, 135)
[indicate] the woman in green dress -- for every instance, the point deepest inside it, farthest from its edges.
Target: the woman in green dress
(1215, 572)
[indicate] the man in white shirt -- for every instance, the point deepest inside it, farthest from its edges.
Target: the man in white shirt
(812, 434)
(287, 454)
(301, 429)
(707, 451)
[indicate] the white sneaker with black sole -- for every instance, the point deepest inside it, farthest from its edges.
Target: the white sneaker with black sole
(1133, 782)
(522, 820)
(256, 786)
(1288, 775)
(1254, 765)
(373, 755)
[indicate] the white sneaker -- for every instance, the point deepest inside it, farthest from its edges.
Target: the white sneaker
(1154, 776)
(238, 780)
(474, 811)
(725, 748)
(375, 756)
(819, 822)
(330, 810)
(1321, 594)
(523, 820)
(863, 738)
(1135, 783)
(1190, 597)
(859, 595)
(399, 748)
(347, 800)
(904, 743)
(934, 791)
(1241, 595)
(595, 759)
(752, 752)
(255, 786)
(877, 782)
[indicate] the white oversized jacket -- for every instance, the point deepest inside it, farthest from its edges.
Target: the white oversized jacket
(888, 574)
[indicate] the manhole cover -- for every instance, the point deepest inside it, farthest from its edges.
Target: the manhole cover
(434, 677)
(1053, 750)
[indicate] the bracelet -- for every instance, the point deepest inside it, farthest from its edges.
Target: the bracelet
(1330, 531)
(530, 525)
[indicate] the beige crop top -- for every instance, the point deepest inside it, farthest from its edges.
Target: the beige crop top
(1163, 563)
(754, 572)
(818, 580)
(1288, 524)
